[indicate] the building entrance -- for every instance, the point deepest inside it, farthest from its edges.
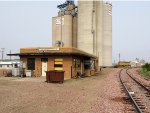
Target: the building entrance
(44, 66)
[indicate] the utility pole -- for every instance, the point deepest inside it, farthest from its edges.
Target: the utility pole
(10, 55)
(119, 57)
(2, 53)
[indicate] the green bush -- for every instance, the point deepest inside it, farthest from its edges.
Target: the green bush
(146, 66)
(145, 70)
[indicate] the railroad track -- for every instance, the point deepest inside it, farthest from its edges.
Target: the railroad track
(137, 92)
(138, 82)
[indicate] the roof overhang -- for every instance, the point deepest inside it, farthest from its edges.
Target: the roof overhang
(60, 52)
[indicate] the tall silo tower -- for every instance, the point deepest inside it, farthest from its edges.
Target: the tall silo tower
(64, 28)
(62, 33)
(95, 30)
(89, 28)
(86, 26)
(100, 33)
(107, 34)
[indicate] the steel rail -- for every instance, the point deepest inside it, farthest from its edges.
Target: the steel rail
(148, 90)
(129, 95)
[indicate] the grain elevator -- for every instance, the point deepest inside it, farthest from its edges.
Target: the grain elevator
(87, 26)
(64, 26)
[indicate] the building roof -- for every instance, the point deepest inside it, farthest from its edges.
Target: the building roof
(8, 62)
(38, 51)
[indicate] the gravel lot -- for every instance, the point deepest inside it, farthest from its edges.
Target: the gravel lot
(96, 94)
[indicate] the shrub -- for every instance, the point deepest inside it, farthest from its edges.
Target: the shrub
(146, 66)
(145, 70)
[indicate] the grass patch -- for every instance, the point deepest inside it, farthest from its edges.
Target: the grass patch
(145, 70)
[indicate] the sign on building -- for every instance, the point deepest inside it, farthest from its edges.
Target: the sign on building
(59, 21)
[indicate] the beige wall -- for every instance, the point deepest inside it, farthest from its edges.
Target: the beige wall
(95, 30)
(99, 33)
(85, 36)
(62, 32)
(107, 30)
(74, 32)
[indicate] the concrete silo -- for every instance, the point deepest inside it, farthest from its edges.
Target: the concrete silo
(99, 33)
(89, 28)
(64, 26)
(95, 30)
(86, 26)
(62, 31)
(107, 34)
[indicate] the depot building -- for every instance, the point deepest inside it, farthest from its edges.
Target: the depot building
(71, 60)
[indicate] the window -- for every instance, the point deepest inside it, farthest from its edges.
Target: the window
(92, 64)
(76, 63)
(31, 63)
(58, 64)
(16, 65)
(87, 64)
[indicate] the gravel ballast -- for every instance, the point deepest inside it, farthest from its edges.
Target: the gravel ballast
(140, 78)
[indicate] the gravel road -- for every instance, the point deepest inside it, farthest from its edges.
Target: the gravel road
(96, 94)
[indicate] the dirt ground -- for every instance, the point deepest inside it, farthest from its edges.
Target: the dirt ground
(96, 94)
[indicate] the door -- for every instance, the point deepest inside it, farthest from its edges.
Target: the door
(44, 66)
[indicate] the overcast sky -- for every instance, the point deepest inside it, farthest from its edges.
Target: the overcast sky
(29, 24)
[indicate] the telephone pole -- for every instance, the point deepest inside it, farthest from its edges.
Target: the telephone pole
(119, 57)
(2, 53)
(10, 55)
